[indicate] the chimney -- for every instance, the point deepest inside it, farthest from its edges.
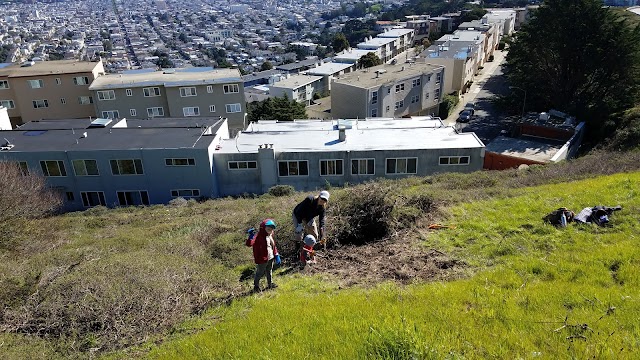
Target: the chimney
(342, 133)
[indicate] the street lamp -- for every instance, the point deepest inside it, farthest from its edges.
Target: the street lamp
(524, 102)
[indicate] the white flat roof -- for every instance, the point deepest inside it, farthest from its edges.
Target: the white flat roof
(355, 54)
(296, 81)
(523, 148)
(329, 68)
(420, 133)
(167, 78)
(395, 33)
(377, 42)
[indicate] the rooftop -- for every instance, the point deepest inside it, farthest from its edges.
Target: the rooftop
(296, 81)
(377, 42)
(167, 78)
(394, 33)
(353, 54)
(69, 135)
(329, 68)
(523, 148)
(369, 134)
(40, 68)
(381, 74)
(298, 64)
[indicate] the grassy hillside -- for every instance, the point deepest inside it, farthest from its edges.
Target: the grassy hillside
(119, 283)
(538, 292)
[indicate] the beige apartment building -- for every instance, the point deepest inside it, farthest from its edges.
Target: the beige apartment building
(190, 92)
(48, 90)
(391, 91)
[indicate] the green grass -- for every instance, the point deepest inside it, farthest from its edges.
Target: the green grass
(535, 292)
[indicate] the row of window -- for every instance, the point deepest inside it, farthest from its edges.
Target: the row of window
(159, 111)
(39, 83)
(127, 198)
(105, 95)
(44, 103)
(85, 167)
(334, 167)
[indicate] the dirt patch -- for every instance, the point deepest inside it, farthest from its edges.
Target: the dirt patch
(399, 259)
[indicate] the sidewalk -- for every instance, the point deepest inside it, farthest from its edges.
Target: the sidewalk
(478, 82)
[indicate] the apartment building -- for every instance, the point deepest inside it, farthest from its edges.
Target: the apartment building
(308, 154)
(123, 162)
(393, 91)
(48, 89)
(460, 61)
(189, 92)
(298, 87)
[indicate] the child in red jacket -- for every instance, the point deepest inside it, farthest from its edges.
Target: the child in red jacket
(264, 252)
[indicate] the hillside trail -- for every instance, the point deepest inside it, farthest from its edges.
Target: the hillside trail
(399, 258)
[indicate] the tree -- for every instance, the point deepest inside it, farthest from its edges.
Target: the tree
(339, 42)
(266, 66)
(588, 68)
(369, 59)
(277, 108)
(24, 195)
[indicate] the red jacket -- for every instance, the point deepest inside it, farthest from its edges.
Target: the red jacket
(259, 244)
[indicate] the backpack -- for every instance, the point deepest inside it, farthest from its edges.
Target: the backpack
(555, 217)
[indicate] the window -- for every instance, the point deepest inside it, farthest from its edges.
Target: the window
(212, 108)
(81, 80)
(388, 91)
(428, 77)
(399, 104)
(233, 108)
(37, 104)
(374, 112)
(129, 92)
(426, 96)
(111, 114)
(293, 168)
(85, 100)
(415, 82)
(133, 112)
(63, 101)
(242, 165)
(231, 88)
(4, 84)
(374, 97)
(402, 166)
(331, 167)
(53, 168)
(438, 77)
(70, 196)
(399, 87)
(180, 162)
(9, 104)
(155, 111)
(454, 160)
(191, 111)
(188, 91)
(362, 167)
(58, 81)
(35, 84)
(129, 198)
(93, 198)
(126, 167)
(209, 89)
(415, 99)
(151, 91)
(24, 168)
(436, 95)
(185, 193)
(106, 95)
(387, 108)
(85, 167)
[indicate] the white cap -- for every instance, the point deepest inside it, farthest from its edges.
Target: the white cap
(324, 194)
(309, 240)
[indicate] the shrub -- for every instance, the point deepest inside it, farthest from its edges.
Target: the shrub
(281, 190)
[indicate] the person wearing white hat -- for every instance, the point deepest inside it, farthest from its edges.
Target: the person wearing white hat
(304, 215)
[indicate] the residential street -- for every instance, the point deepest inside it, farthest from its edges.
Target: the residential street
(487, 122)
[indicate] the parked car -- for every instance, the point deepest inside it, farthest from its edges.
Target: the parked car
(465, 116)
(471, 106)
